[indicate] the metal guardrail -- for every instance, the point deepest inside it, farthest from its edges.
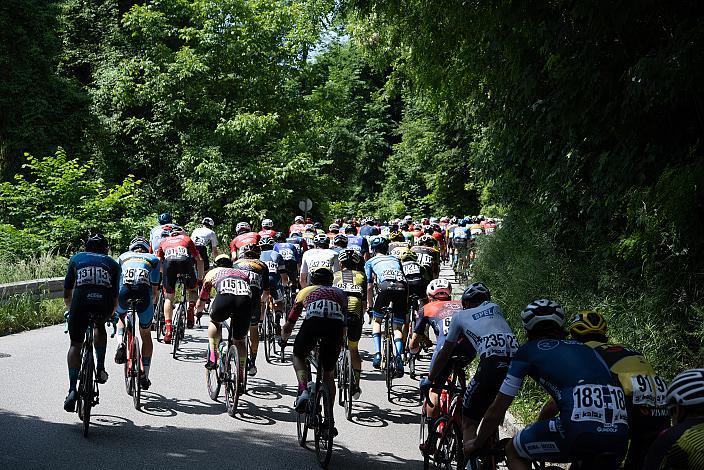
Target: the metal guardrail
(50, 288)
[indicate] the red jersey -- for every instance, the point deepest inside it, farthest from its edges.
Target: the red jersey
(239, 241)
(267, 233)
(180, 246)
(439, 237)
(299, 228)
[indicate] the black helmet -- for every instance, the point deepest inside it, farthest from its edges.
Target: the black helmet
(321, 277)
(318, 225)
(251, 251)
(223, 261)
(165, 218)
(97, 243)
(340, 240)
(475, 294)
(321, 241)
(139, 243)
(350, 230)
(349, 257)
(266, 242)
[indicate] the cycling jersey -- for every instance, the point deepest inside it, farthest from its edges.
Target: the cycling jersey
(298, 228)
(247, 238)
(177, 248)
(203, 236)
(408, 236)
(592, 407)
(94, 278)
(140, 271)
(396, 248)
(300, 244)
(381, 268)
(308, 239)
(275, 262)
(358, 243)
(429, 258)
(354, 284)
(486, 329)
(679, 448)
(416, 278)
(438, 314)
(258, 273)
(178, 254)
(156, 235)
(459, 237)
(270, 232)
(226, 281)
(319, 258)
(289, 253)
(233, 299)
(369, 230)
(386, 273)
(320, 301)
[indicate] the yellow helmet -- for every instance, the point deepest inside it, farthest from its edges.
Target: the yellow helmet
(406, 254)
(588, 322)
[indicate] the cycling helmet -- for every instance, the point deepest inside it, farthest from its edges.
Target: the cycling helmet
(321, 240)
(243, 227)
(208, 222)
(318, 226)
(349, 256)
(426, 240)
(139, 243)
(309, 228)
(542, 310)
(687, 389)
(165, 218)
(408, 218)
(425, 221)
(350, 230)
(340, 240)
(396, 236)
(475, 294)
(267, 223)
(321, 277)
(176, 231)
(444, 220)
(223, 261)
(298, 219)
(97, 243)
(251, 250)
(439, 288)
(280, 237)
(588, 322)
(266, 241)
(379, 243)
(407, 255)
(453, 220)
(295, 234)
(334, 228)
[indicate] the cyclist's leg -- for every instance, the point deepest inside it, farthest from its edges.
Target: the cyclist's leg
(169, 284)
(100, 343)
(380, 302)
(543, 440)
(400, 314)
(302, 346)
(241, 313)
(354, 333)
(481, 392)
(121, 353)
(330, 344)
(146, 315)
(259, 302)
(77, 325)
(190, 283)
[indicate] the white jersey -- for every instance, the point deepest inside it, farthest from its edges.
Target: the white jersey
(319, 258)
(155, 237)
(485, 327)
(203, 236)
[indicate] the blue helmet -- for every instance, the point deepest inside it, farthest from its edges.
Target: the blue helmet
(379, 242)
(165, 218)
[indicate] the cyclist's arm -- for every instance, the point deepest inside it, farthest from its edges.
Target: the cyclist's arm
(116, 275)
(418, 332)
(370, 295)
(492, 419)
(214, 245)
(549, 410)
(303, 275)
(69, 282)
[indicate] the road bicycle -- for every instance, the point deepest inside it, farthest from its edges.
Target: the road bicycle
(179, 317)
(268, 332)
(388, 354)
(493, 457)
(229, 371)
(346, 379)
(441, 437)
(318, 412)
(87, 391)
(159, 322)
(412, 317)
(133, 366)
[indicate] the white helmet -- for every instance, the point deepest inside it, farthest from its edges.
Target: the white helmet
(267, 223)
(687, 389)
(542, 310)
(438, 287)
(208, 222)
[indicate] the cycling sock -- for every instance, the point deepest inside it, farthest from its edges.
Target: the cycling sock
(376, 337)
(146, 363)
(301, 375)
(120, 333)
(214, 342)
(167, 323)
(100, 357)
(72, 378)
(399, 346)
(357, 374)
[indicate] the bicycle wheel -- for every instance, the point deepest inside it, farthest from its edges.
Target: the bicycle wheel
(340, 372)
(350, 382)
(448, 452)
(213, 379)
(390, 360)
(268, 337)
(178, 321)
(302, 427)
(85, 390)
(323, 425)
(135, 372)
(232, 379)
(128, 362)
(159, 316)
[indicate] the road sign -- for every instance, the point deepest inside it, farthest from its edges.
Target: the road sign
(305, 204)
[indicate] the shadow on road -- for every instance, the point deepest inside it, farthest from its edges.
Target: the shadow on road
(370, 415)
(159, 405)
(117, 443)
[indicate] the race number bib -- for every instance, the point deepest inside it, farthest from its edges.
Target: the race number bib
(350, 288)
(324, 308)
(424, 259)
(411, 269)
(446, 325)
(605, 404)
(319, 263)
(392, 275)
(255, 279)
(648, 390)
(287, 254)
(200, 241)
(497, 344)
(235, 287)
(176, 252)
(136, 276)
(93, 276)
(273, 266)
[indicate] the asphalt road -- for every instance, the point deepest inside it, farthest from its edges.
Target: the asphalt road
(179, 426)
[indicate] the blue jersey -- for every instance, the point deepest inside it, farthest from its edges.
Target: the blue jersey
(139, 269)
(578, 380)
(94, 276)
(369, 230)
(385, 268)
(289, 251)
(358, 243)
(275, 262)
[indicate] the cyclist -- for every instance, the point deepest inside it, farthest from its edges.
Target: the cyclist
(333, 230)
(428, 255)
(233, 300)
(318, 257)
(358, 243)
(645, 391)
(326, 309)
(245, 236)
(385, 274)
(203, 237)
(309, 234)
(439, 236)
(459, 235)
(139, 281)
(482, 328)
(369, 229)
(397, 244)
(297, 226)
(90, 287)
(259, 283)
(155, 234)
(354, 283)
(177, 254)
(591, 407)
(267, 229)
(339, 242)
(278, 277)
(682, 446)
(291, 254)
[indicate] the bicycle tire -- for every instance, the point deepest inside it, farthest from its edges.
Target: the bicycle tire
(232, 380)
(86, 390)
(390, 359)
(179, 318)
(135, 373)
(128, 352)
(351, 380)
(340, 376)
(323, 436)
(268, 335)
(159, 316)
(213, 379)
(448, 451)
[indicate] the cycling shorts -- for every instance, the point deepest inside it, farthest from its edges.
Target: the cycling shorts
(395, 294)
(417, 287)
(143, 295)
(276, 289)
(238, 308)
(175, 266)
(644, 426)
(549, 441)
(203, 250)
(256, 314)
(354, 328)
(482, 389)
(84, 303)
(329, 331)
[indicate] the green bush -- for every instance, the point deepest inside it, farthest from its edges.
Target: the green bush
(25, 312)
(43, 266)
